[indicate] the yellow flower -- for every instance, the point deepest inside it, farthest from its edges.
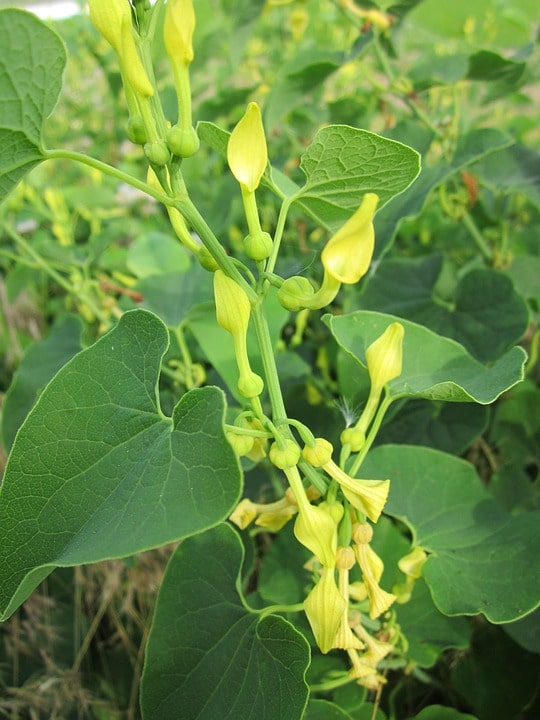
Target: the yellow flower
(412, 563)
(112, 18)
(384, 356)
(233, 311)
(368, 496)
(178, 28)
(316, 529)
(345, 639)
(372, 568)
(247, 154)
(347, 255)
(244, 513)
(376, 650)
(324, 607)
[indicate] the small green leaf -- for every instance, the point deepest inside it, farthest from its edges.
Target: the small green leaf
(434, 367)
(342, 163)
(97, 471)
(486, 315)
(31, 66)
(208, 655)
(479, 556)
(40, 363)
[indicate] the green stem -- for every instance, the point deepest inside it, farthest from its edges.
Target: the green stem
(272, 609)
(477, 236)
(108, 170)
(374, 429)
(331, 684)
(198, 223)
(270, 265)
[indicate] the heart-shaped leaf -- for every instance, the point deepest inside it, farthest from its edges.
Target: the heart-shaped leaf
(487, 315)
(31, 65)
(481, 558)
(208, 655)
(342, 163)
(97, 471)
(434, 367)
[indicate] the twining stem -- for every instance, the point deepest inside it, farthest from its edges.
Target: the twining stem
(270, 265)
(477, 236)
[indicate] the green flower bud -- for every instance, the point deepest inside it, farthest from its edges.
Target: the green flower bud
(258, 246)
(157, 153)
(182, 142)
(353, 437)
(295, 293)
(135, 130)
(286, 457)
(319, 454)
(241, 444)
(206, 259)
(250, 384)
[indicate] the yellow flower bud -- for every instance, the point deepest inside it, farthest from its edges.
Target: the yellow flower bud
(318, 454)
(233, 308)
(368, 496)
(247, 154)
(112, 18)
(108, 17)
(384, 357)
(241, 444)
(324, 607)
(347, 255)
(178, 28)
(353, 437)
(412, 563)
(316, 529)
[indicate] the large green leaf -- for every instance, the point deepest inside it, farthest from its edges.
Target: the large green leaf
(434, 367)
(31, 65)
(97, 471)
(208, 655)
(487, 315)
(39, 364)
(342, 163)
(481, 558)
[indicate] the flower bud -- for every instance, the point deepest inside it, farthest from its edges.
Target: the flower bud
(206, 259)
(247, 154)
(324, 607)
(250, 384)
(285, 457)
(295, 293)
(182, 142)
(157, 153)
(347, 255)
(384, 357)
(136, 131)
(412, 563)
(241, 444)
(258, 246)
(178, 28)
(233, 308)
(109, 17)
(318, 454)
(353, 437)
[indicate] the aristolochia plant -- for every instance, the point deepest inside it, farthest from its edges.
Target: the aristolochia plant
(98, 471)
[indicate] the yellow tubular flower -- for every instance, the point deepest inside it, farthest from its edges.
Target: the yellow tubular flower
(372, 568)
(244, 513)
(247, 154)
(108, 17)
(316, 529)
(345, 638)
(347, 255)
(376, 650)
(178, 28)
(324, 607)
(384, 356)
(368, 496)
